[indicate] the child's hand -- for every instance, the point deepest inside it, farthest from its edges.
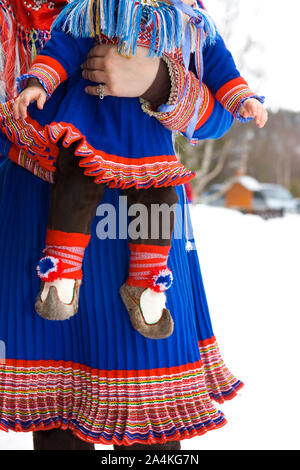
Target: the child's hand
(252, 108)
(34, 92)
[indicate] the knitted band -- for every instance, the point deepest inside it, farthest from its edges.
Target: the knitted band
(64, 256)
(148, 267)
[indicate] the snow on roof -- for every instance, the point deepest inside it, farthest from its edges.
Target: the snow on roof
(249, 183)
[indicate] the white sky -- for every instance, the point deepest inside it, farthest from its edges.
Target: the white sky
(274, 25)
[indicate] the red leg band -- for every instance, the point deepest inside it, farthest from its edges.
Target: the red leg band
(64, 256)
(148, 267)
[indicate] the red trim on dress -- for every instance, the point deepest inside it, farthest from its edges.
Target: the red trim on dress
(14, 153)
(115, 171)
(207, 106)
(115, 373)
(53, 64)
(229, 86)
(220, 383)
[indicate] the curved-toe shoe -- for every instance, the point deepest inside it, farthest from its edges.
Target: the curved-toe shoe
(52, 308)
(163, 328)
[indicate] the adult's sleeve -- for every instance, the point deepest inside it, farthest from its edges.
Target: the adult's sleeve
(212, 121)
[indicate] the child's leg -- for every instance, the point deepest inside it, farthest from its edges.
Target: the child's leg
(73, 202)
(149, 276)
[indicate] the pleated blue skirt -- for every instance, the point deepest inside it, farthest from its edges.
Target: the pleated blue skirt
(94, 374)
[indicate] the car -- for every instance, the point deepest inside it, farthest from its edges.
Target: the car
(267, 200)
(278, 198)
(297, 201)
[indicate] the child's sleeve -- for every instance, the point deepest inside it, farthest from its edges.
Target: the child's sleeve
(223, 78)
(213, 120)
(58, 60)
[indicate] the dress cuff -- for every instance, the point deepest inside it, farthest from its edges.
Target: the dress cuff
(178, 112)
(179, 118)
(233, 94)
(172, 114)
(178, 78)
(48, 71)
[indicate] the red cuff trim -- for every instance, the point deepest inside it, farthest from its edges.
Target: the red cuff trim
(228, 86)
(49, 71)
(232, 94)
(52, 63)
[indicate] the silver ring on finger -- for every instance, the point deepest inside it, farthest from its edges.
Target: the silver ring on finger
(101, 91)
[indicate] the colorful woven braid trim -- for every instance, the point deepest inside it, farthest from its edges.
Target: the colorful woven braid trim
(117, 172)
(120, 407)
(220, 382)
(49, 73)
(19, 157)
(185, 90)
(233, 94)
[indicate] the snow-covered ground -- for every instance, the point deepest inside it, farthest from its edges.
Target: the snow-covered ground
(251, 274)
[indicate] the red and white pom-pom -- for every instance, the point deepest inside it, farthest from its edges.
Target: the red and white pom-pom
(50, 269)
(162, 280)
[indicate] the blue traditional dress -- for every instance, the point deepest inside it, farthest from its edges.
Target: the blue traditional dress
(83, 374)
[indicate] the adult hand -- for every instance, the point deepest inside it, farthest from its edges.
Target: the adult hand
(122, 76)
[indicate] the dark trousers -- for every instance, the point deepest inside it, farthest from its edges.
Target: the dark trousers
(75, 198)
(57, 439)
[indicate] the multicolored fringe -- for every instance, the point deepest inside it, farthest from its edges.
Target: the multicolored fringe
(220, 382)
(124, 19)
(117, 172)
(117, 407)
(18, 47)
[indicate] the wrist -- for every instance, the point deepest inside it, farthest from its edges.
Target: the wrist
(34, 82)
(159, 92)
(238, 116)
